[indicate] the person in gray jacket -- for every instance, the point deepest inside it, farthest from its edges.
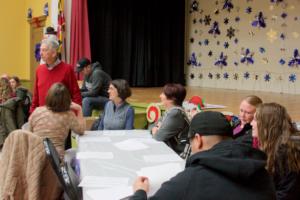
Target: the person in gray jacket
(173, 126)
(94, 87)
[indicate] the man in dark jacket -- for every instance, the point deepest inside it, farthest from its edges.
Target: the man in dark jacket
(219, 168)
(94, 87)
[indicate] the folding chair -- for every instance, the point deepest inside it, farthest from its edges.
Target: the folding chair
(71, 190)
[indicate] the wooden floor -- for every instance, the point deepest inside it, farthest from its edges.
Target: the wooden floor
(229, 98)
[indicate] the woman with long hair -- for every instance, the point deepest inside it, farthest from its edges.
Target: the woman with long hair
(276, 135)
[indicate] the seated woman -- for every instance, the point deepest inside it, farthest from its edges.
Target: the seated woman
(7, 107)
(57, 117)
(247, 111)
(14, 82)
(117, 114)
(173, 126)
(273, 127)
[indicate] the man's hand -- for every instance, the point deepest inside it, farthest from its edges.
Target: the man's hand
(141, 183)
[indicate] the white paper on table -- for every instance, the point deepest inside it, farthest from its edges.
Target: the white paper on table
(207, 106)
(103, 182)
(113, 193)
(162, 158)
(113, 133)
(130, 145)
(148, 140)
(95, 155)
(94, 139)
(159, 174)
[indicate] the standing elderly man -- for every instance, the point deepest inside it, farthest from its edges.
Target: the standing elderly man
(219, 168)
(94, 87)
(52, 71)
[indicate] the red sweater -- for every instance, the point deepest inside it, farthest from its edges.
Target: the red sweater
(63, 73)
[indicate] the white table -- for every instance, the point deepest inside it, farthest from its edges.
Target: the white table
(125, 163)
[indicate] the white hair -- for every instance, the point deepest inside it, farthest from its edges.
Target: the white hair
(51, 43)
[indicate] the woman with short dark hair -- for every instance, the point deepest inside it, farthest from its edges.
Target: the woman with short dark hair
(278, 138)
(117, 114)
(173, 126)
(57, 117)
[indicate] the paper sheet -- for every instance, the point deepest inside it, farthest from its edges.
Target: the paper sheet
(95, 155)
(130, 145)
(103, 182)
(95, 139)
(162, 158)
(114, 193)
(159, 174)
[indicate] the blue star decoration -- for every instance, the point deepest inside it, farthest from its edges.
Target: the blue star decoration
(262, 50)
(226, 45)
(281, 61)
(246, 75)
(207, 20)
(295, 61)
(214, 30)
(292, 78)
(230, 32)
(276, 1)
(247, 57)
(221, 62)
(226, 76)
(259, 21)
(226, 20)
(193, 61)
(248, 10)
(228, 5)
(267, 77)
(210, 76)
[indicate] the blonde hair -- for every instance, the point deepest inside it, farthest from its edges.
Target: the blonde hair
(5, 90)
(253, 100)
(275, 131)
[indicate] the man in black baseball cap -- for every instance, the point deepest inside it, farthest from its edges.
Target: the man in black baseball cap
(219, 167)
(94, 87)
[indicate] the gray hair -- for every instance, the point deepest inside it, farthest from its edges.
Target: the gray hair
(51, 43)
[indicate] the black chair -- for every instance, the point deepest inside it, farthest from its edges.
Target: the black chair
(63, 172)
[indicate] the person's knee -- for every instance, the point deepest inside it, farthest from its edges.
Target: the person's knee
(86, 101)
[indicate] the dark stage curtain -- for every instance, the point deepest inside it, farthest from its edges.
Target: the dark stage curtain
(140, 41)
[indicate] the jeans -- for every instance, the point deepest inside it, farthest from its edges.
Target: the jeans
(90, 103)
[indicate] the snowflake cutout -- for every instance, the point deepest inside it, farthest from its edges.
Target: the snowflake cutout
(256, 77)
(281, 61)
(246, 75)
(267, 77)
(218, 76)
(284, 15)
(192, 76)
(226, 45)
(206, 42)
(236, 40)
(228, 5)
(200, 76)
(226, 20)
(210, 53)
(207, 20)
(226, 76)
(262, 50)
(237, 19)
(259, 21)
(247, 57)
(210, 75)
(214, 30)
(295, 61)
(282, 36)
(292, 78)
(194, 6)
(248, 10)
(235, 76)
(222, 61)
(230, 32)
(193, 61)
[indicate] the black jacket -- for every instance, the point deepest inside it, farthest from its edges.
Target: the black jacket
(229, 170)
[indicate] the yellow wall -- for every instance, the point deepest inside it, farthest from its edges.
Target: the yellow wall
(14, 35)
